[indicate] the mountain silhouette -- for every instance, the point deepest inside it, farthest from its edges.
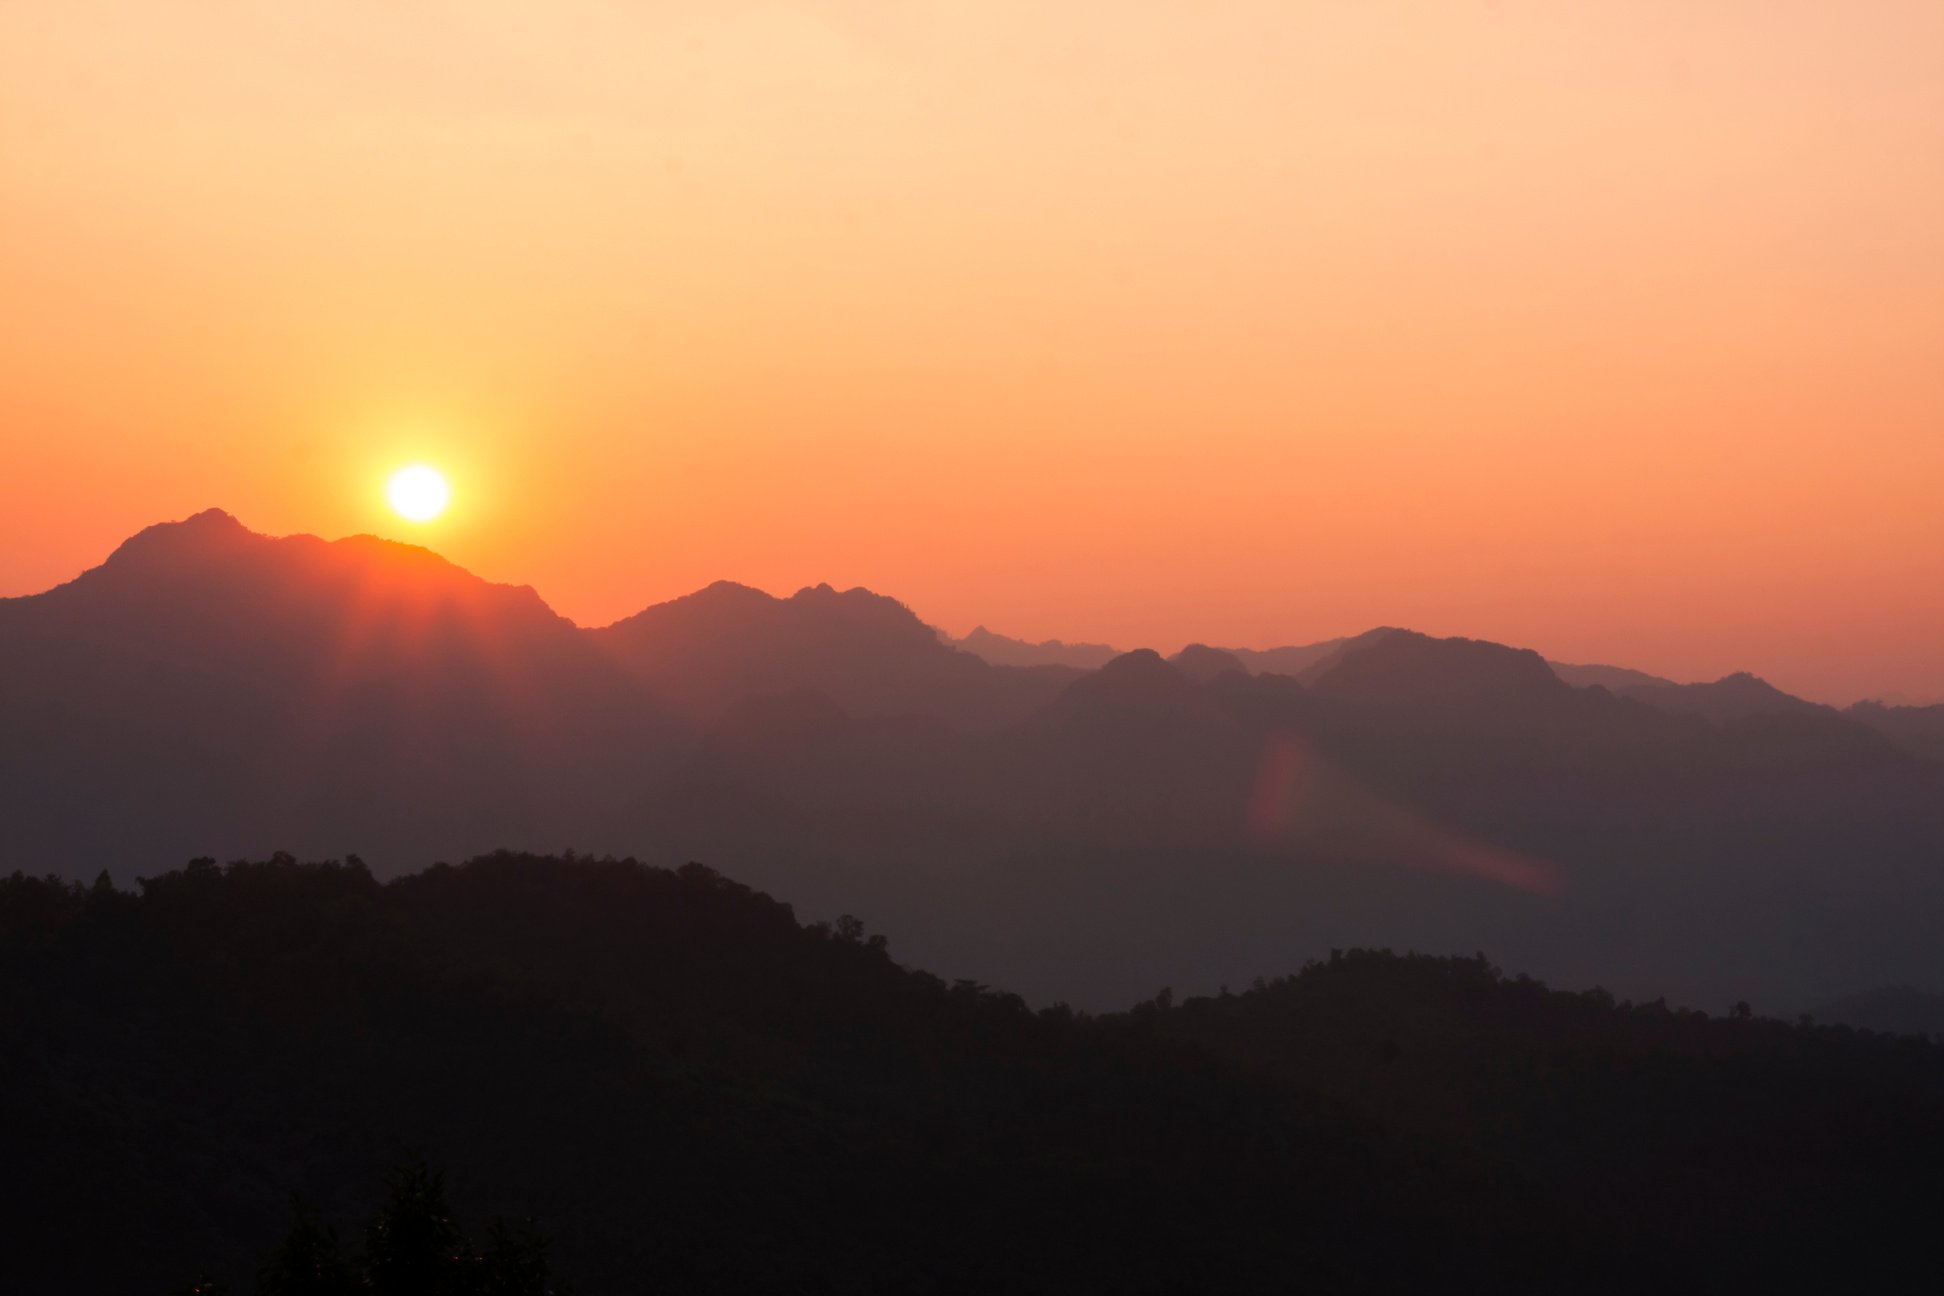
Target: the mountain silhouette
(207, 687)
(1784, 726)
(1405, 668)
(1297, 660)
(1201, 663)
(1614, 679)
(1002, 650)
(1917, 729)
(1733, 697)
(726, 643)
(1304, 661)
(1083, 835)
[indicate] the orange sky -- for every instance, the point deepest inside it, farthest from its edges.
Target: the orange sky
(1612, 328)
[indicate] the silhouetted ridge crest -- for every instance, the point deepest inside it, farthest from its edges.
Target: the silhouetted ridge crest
(727, 610)
(1138, 676)
(1404, 666)
(198, 537)
(864, 609)
(213, 551)
(872, 654)
(1004, 650)
(1732, 697)
(1161, 703)
(1201, 663)
(727, 593)
(210, 585)
(360, 695)
(1614, 679)
(215, 686)
(1304, 661)
(1918, 729)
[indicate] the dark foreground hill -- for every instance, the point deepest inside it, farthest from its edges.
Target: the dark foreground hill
(1901, 1010)
(695, 1093)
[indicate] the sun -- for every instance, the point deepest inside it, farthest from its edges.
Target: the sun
(418, 493)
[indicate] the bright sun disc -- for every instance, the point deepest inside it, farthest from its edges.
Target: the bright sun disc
(418, 493)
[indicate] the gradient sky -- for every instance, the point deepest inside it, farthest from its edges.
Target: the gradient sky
(1612, 328)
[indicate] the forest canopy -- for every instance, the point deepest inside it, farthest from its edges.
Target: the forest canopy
(680, 1079)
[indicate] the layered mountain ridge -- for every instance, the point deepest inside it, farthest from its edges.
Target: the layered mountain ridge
(1078, 833)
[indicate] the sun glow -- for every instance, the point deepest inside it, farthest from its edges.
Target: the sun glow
(418, 493)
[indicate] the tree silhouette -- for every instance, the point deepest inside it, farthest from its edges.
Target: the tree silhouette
(515, 1261)
(309, 1261)
(414, 1246)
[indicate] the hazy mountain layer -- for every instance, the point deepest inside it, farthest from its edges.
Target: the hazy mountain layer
(1002, 650)
(1078, 835)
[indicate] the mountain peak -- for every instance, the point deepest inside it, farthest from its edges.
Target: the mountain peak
(211, 517)
(725, 593)
(1404, 665)
(869, 652)
(1138, 661)
(824, 591)
(1140, 675)
(198, 535)
(1201, 663)
(210, 567)
(1732, 697)
(864, 611)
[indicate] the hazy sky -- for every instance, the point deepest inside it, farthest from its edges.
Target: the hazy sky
(1613, 328)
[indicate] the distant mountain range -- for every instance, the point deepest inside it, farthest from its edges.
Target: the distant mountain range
(1003, 651)
(1613, 678)
(1919, 729)
(1079, 832)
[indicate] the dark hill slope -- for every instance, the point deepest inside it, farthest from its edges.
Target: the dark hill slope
(1651, 1119)
(1899, 1010)
(692, 1091)
(696, 1094)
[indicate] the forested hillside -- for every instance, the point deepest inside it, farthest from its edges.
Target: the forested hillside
(694, 1092)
